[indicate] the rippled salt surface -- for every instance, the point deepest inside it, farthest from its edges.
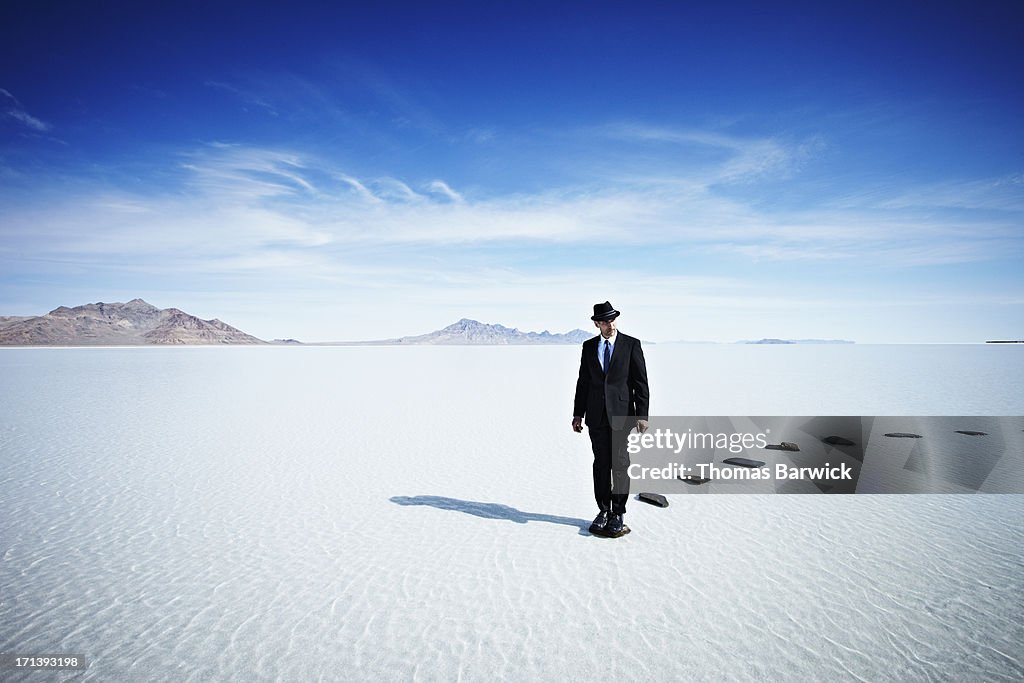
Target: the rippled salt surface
(343, 513)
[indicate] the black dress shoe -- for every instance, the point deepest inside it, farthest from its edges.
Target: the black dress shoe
(615, 527)
(600, 522)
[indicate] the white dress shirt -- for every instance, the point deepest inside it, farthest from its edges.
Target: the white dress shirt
(600, 349)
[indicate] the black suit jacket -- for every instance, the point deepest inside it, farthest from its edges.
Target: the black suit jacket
(623, 392)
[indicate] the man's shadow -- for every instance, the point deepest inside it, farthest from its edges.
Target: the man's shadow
(492, 511)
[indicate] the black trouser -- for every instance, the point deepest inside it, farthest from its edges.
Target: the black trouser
(611, 465)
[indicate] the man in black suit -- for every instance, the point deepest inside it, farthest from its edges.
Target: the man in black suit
(612, 394)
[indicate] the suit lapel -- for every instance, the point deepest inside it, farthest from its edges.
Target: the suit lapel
(591, 346)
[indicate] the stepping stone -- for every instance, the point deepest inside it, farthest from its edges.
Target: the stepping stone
(838, 441)
(969, 432)
(654, 499)
(744, 462)
(784, 446)
(903, 435)
(693, 479)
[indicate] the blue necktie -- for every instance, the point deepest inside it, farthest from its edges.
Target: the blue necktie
(607, 355)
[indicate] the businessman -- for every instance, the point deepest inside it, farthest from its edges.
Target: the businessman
(613, 397)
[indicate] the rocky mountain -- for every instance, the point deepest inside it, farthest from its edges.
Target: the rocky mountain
(132, 323)
(472, 332)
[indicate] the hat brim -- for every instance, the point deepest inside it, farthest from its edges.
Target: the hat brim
(611, 315)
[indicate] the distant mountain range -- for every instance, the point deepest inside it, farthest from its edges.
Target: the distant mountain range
(117, 324)
(796, 341)
(140, 323)
(768, 341)
(472, 332)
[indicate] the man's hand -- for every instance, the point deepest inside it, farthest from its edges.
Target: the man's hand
(577, 424)
(641, 426)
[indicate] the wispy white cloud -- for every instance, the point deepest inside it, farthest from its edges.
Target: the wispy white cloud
(886, 251)
(395, 190)
(241, 173)
(289, 223)
(259, 196)
(741, 158)
(442, 188)
(363, 192)
(1005, 193)
(14, 110)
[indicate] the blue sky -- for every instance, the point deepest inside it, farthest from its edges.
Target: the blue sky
(324, 171)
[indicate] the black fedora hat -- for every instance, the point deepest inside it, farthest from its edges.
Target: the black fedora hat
(604, 311)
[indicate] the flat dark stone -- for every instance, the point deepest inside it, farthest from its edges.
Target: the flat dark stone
(903, 435)
(694, 480)
(744, 462)
(838, 441)
(970, 432)
(784, 446)
(654, 499)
